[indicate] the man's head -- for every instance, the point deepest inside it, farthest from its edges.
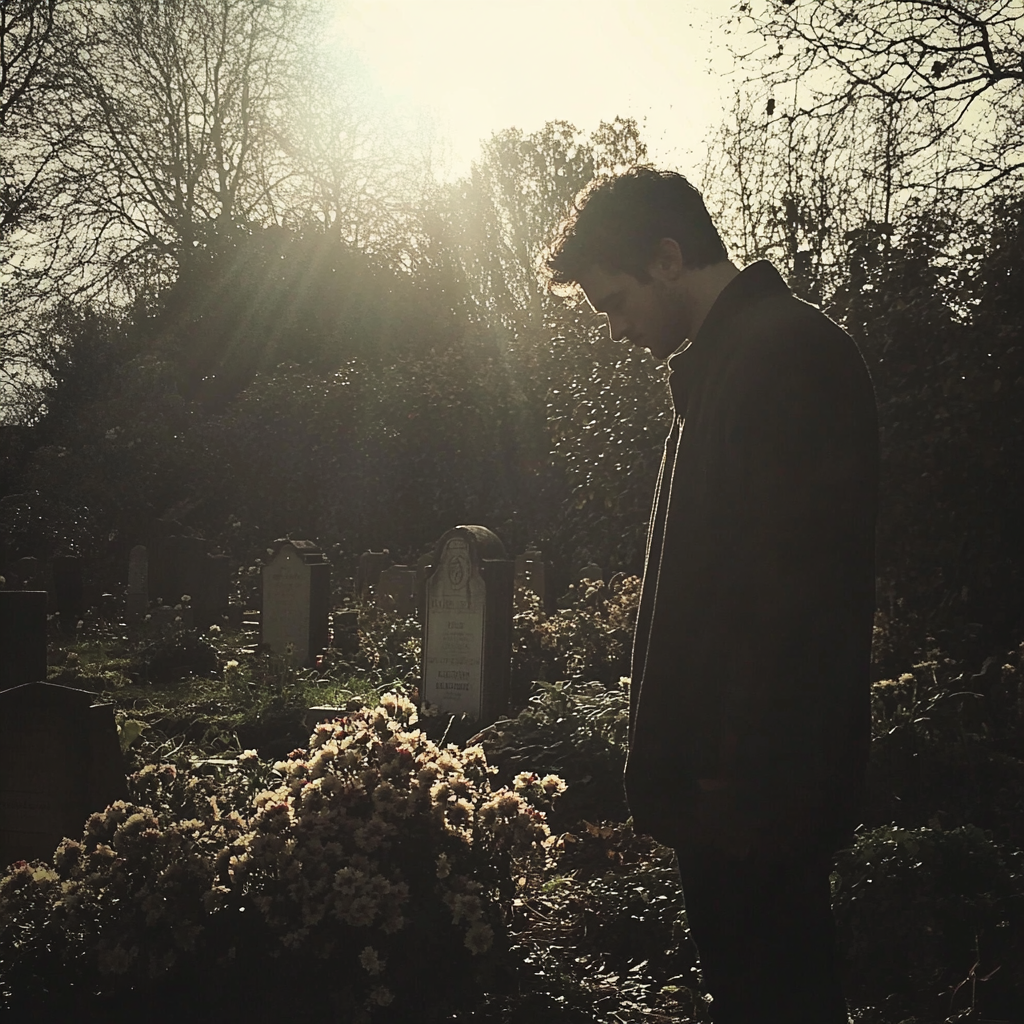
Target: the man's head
(635, 244)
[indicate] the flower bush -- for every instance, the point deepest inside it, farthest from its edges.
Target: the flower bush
(589, 638)
(577, 730)
(374, 851)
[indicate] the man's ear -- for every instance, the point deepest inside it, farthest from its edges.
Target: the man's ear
(667, 264)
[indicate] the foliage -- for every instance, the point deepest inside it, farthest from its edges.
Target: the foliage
(576, 729)
(929, 331)
(932, 922)
(604, 938)
(389, 648)
(374, 851)
(946, 747)
(588, 638)
(597, 934)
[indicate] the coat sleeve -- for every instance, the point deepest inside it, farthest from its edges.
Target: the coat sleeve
(794, 511)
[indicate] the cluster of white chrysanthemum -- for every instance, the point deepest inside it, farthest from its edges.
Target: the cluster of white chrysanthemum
(130, 898)
(368, 800)
(372, 826)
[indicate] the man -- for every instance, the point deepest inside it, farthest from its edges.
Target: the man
(749, 720)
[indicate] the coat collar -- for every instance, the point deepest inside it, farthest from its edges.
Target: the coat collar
(750, 284)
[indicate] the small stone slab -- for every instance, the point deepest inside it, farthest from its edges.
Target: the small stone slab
(296, 601)
(22, 637)
(60, 761)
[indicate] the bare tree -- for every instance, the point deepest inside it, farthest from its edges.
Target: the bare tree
(30, 75)
(176, 106)
(792, 189)
(953, 67)
(26, 27)
(360, 167)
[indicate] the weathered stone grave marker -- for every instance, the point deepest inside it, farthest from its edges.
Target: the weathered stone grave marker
(296, 601)
(396, 590)
(165, 581)
(68, 590)
(346, 631)
(24, 574)
(371, 565)
(192, 555)
(529, 577)
(467, 633)
(211, 590)
(424, 566)
(60, 760)
(137, 596)
(22, 637)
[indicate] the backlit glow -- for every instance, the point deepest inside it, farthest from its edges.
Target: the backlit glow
(478, 66)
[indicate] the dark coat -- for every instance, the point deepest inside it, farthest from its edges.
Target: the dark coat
(753, 641)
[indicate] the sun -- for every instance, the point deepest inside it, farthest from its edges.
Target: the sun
(479, 66)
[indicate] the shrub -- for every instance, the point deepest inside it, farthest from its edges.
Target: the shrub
(589, 638)
(932, 922)
(947, 747)
(374, 851)
(576, 729)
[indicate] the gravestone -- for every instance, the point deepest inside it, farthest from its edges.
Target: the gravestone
(530, 576)
(137, 595)
(68, 590)
(211, 590)
(60, 760)
(424, 566)
(467, 632)
(346, 631)
(165, 570)
(175, 567)
(22, 637)
(166, 618)
(24, 574)
(296, 601)
(371, 565)
(396, 590)
(592, 572)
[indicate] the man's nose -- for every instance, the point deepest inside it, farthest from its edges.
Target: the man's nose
(616, 329)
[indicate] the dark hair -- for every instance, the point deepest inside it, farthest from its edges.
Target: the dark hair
(618, 222)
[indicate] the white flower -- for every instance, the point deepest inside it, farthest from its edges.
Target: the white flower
(247, 758)
(382, 996)
(371, 962)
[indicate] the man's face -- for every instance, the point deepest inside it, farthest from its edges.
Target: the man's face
(648, 314)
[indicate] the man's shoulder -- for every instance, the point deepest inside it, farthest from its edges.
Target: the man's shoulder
(781, 326)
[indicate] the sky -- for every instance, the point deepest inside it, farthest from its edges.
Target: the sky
(478, 66)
